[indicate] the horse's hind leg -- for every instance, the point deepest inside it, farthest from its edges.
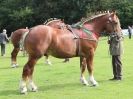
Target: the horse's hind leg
(27, 76)
(14, 54)
(47, 60)
(82, 68)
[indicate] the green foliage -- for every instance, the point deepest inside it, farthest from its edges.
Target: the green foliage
(126, 13)
(15, 14)
(21, 17)
(22, 13)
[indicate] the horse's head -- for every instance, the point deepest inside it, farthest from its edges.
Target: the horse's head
(103, 22)
(113, 23)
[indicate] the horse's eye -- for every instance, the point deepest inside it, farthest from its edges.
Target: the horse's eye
(115, 22)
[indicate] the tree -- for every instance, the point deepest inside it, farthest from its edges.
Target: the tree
(22, 13)
(15, 14)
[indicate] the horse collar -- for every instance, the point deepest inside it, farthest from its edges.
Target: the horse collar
(89, 33)
(86, 33)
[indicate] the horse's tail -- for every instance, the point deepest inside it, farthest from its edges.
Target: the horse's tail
(10, 38)
(23, 39)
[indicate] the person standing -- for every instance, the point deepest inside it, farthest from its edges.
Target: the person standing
(3, 40)
(129, 32)
(116, 50)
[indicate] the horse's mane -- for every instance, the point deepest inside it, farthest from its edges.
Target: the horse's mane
(94, 16)
(51, 20)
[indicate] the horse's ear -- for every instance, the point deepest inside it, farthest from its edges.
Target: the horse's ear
(108, 12)
(62, 20)
(114, 11)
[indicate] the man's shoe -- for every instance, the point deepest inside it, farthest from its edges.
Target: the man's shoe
(113, 78)
(119, 79)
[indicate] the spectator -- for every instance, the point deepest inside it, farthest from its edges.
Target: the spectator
(3, 40)
(130, 32)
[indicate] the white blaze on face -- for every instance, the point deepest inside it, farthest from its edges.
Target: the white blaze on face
(110, 19)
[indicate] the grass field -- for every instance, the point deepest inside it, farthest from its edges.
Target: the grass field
(61, 80)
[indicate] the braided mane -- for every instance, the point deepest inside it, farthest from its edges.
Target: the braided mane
(90, 18)
(50, 20)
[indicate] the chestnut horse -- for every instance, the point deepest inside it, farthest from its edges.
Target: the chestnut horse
(17, 36)
(67, 43)
(57, 23)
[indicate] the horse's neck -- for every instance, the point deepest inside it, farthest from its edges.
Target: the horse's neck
(97, 25)
(94, 28)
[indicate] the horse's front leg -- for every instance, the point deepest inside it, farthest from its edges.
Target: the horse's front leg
(14, 54)
(27, 76)
(82, 68)
(89, 61)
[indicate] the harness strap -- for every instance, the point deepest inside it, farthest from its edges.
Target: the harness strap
(86, 30)
(79, 25)
(69, 27)
(78, 47)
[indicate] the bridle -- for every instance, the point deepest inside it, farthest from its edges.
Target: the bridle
(114, 33)
(112, 23)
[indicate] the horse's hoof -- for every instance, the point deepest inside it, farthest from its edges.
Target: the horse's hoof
(23, 93)
(14, 65)
(94, 85)
(34, 90)
(48, 63)
(84, 82)
(23, 90)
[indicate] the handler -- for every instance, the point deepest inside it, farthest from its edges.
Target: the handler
(116, 50)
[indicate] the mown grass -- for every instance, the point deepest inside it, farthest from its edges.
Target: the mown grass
(61, 80)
